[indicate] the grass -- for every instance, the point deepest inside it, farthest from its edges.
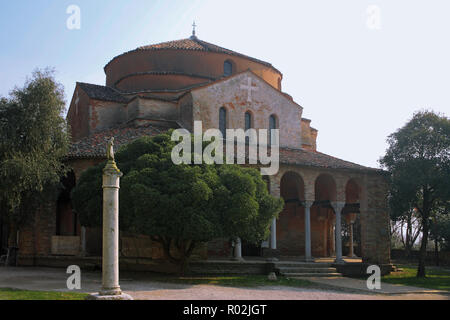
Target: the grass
(235, 281)
(436, 278)
(16, 294)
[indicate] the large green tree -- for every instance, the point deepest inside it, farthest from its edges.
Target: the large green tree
(418, 158)
(33, 141)
(180, 206)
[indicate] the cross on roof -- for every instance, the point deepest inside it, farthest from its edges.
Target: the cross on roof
(193, 28)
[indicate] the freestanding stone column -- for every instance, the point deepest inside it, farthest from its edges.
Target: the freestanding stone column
(273, 234)
(110, 264)
(308, 256)
(238, 249)
(338, 208)
(110, 260)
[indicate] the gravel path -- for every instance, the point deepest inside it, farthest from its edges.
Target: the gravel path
(54, 279)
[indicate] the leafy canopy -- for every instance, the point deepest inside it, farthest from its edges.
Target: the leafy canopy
(418, 159)
(33, 141)
(180, 203)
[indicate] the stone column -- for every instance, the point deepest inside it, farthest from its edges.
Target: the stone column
(110, 259)
(110, 262)
(238, 249)
(308, 256)
(338, 206)
(351, 253)
(273, 234)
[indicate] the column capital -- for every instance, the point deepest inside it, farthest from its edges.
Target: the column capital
(308, 203)
(338, 205)
(111, 169)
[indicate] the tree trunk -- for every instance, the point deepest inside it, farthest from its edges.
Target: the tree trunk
(423, 248)
(436, 251)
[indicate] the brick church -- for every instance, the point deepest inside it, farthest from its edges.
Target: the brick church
(333, 208)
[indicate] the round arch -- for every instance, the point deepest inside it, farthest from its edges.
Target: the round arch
(325, 188)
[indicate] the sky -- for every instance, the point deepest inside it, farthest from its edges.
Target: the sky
(359, 68)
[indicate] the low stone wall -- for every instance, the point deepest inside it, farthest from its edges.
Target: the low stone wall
(360, 269)
(151, 265)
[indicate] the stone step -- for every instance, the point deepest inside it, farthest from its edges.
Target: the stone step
(304, 274)
(305, 270)
(303, 265)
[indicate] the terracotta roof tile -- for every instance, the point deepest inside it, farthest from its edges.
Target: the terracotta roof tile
(317, 159)
(104, 93)
(94, 147)
(195, 44)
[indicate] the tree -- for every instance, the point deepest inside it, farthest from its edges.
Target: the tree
(33, 141)
(180, 206)
(418, 159)
(440, 229)
(406, 227)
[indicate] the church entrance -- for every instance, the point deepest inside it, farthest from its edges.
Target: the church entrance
(66, 219)
(251, 250)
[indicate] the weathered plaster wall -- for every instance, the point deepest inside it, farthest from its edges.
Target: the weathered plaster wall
(309, 135)
(145, 108)
(265, 101)
(104, 115)
(78, 116)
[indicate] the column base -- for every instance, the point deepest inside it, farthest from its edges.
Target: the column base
(339, 261)
(98, 296)
(272, 259)
(110, 291)
(309, 259)
(238, 259)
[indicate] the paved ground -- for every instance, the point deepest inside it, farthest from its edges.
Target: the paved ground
(54, 279)
(361, 286)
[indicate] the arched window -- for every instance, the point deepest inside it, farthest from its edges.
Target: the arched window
(272, 125)
(223, 121)
(227, 68)
(248, 125)
(248, 120)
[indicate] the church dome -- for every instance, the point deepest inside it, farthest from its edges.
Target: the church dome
(180, 64)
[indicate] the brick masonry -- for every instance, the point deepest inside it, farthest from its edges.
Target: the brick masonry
(194, 88)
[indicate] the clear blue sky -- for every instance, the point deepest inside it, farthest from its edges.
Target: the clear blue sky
(356, 83)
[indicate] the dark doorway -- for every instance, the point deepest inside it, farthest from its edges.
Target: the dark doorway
(66, 219)
(251, 250)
